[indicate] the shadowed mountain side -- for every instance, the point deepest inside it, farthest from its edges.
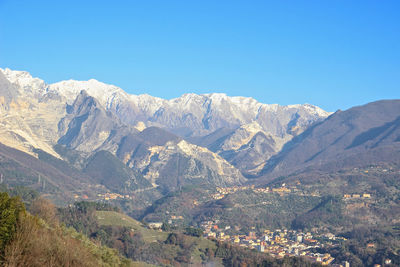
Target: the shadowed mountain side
(358, 136)
(213, 140)
(47, 174)
(108, 170)
(158, 136)
(388, 132)
(136, 145)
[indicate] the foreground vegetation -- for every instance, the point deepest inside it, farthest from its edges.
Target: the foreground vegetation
(28, 240)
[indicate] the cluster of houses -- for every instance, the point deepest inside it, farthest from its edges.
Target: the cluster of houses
(105, 196)
(223, 191)
(378, 169)
(85, 197)
(347, 264)
(172, 219)
(356, 196)
(386, 262)
(113, 196)
(278, 243)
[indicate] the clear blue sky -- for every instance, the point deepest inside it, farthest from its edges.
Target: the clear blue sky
(334, 54)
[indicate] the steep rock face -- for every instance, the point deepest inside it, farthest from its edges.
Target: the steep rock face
(8, 92)
(355, 137)
(247, 147)
(29, 112)
(88, 127)
(178, 163)
(250, 158)
(26, 84)
(171, 162)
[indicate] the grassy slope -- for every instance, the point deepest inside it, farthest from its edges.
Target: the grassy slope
(119, 219)
(108, 218)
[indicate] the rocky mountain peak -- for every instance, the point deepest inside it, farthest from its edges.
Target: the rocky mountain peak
(24, 82)
(83, 103)
(7, 91)
(87, 126)
(101, 91)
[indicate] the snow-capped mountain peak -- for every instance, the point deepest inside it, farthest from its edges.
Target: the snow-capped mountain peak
(25, 82)
(190, 114)
(103, 92)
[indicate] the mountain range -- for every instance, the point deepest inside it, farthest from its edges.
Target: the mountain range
(194, 139)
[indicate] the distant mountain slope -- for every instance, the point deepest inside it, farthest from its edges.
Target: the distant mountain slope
(247, 147)
(157, 136)
(250, 157)
(107, 170)
(355, 137)
(213, 140)
(48, 175)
